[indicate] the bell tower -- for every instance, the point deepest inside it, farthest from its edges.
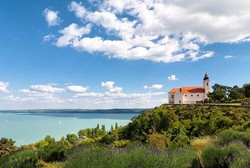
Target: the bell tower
(206, 84)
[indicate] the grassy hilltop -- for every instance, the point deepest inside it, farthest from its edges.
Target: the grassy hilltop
(167, 136)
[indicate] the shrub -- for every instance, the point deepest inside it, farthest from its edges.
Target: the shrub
(158, 140)
(132, 156)
(72, 138)
(228, 136)
(52, 152)
(229, 150)
(120, 143)
(20, 159)
(234, 154)
(87, 141)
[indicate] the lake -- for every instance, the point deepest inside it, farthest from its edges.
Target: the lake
(28, 127)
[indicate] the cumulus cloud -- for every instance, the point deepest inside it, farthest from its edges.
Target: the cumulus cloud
(71, 33)
(176, 30)
(110, 86)
(4, 87)
(155, 86)
(77, 89)
(172, 77)
(51, 17)
(159, 39)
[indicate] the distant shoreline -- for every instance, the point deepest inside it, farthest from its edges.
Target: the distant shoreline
(97, 111)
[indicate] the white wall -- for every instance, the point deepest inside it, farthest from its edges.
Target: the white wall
(178, 98)
(170, 99)
(189, 99)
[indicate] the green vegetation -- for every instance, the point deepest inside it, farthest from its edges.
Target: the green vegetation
(227, 94)
(133, 156)
(230, 150)
(167, 136)
(20, 159)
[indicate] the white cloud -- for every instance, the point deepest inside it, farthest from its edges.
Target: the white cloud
(4, 87)
(109, 85)
(176, 30)
(78, 9)
(77, 89)
(172, 77)
(155, 86)
(46, 88)
(48, 37)
(228, 57)
(72, 33)
(51, 17)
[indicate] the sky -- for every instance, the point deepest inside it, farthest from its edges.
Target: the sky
(100, 54)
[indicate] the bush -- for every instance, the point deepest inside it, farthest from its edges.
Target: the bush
(132, 157)
(20, 159)
(228, 136)
(234, 154)
(72, 138)
(120, 143)
(229, 150)
(158, 140)
(52, 152)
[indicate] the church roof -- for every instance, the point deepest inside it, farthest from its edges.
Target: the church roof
(189, 89)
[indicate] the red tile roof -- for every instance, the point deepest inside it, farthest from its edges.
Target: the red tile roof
(189, 89)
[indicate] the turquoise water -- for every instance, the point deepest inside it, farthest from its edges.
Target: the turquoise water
(25, 128)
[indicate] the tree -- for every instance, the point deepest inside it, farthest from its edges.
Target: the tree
(72, 138)
(236, 93)
(7, 146)
(116, 125)
(103, 128)
(246, 88)
(220, 92)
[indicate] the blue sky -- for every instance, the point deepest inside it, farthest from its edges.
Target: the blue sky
(117, 53)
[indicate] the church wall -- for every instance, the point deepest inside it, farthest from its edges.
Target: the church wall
(170, 98)
(192, 98)
(178, 98)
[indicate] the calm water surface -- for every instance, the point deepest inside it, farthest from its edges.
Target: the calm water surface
(27, 128)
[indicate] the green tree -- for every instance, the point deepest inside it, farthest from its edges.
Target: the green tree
(246, 88)
(220, 92)
(7, 146)
(103, 128)
(236, 93)
(72, 138)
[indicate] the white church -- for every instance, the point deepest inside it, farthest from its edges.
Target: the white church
(190, 94)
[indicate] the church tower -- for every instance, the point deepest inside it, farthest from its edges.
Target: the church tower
(206, 84)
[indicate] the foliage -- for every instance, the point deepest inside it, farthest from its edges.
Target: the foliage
(230, 150)
(87, 141)
(120, 143)
(180, 123)
(246, 88)
(223, 93)
(92, 133)
(158, 140)
(72, 138)
(45, 142)
(19, 159)
(7, 146)
(132, 156)
(198, 144)
(52, 152)
(110, 137)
